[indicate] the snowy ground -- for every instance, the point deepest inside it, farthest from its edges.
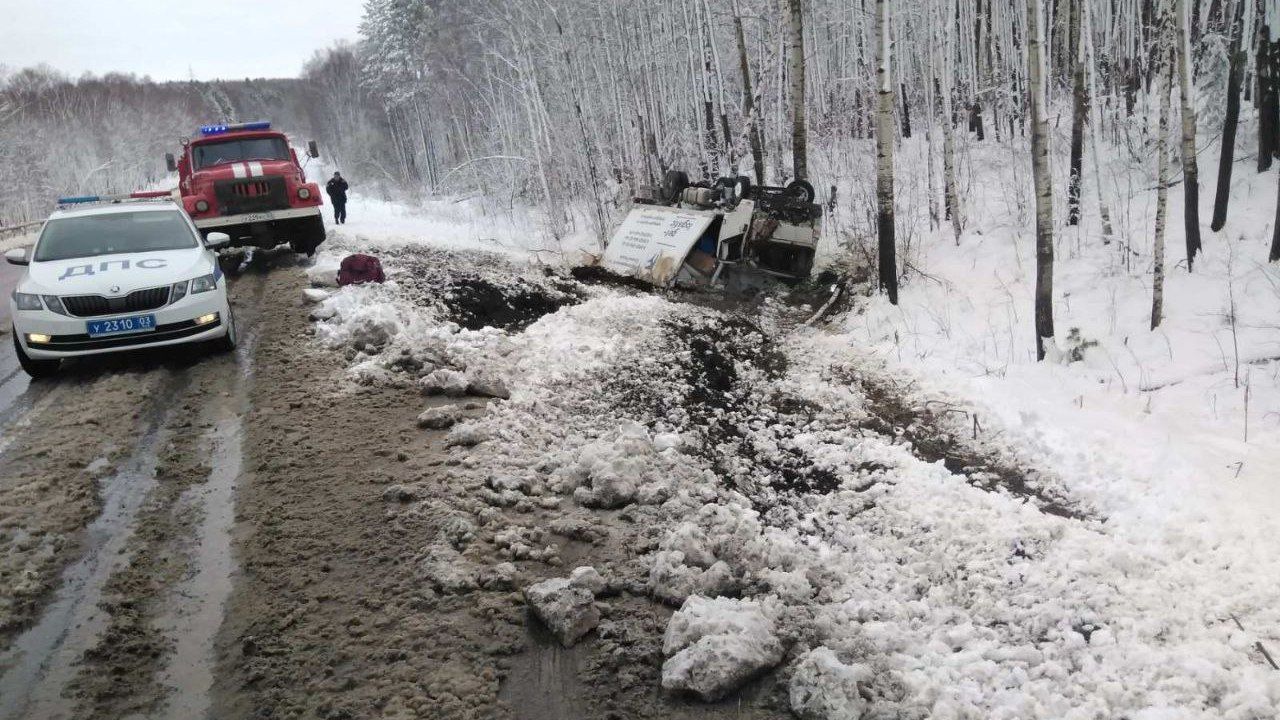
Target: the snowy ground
(904, 510)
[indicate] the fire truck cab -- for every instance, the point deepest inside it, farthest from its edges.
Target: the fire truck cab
(245, 180)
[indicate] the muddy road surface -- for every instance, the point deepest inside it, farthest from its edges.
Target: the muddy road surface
(188, 534)
(116, 510)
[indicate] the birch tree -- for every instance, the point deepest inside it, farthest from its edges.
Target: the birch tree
(1190, 174)
(952, 207)
(1080, 110)
(796, 82)
(1164, 91)
(751, 121)
(1043, 181)
(1226, 160)
(885, 136)
(1095, 108)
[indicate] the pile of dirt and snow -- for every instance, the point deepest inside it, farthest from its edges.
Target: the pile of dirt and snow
(439, 314)
(890, 559)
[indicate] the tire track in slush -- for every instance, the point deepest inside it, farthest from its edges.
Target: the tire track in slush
(42, 663)
(196, 607)
(43, 660)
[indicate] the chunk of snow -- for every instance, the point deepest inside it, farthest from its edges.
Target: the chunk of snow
(715, 645)
(444, 382)
(487, 384)
(824, 688)
(438, 418)
(587, 578)
(568, 610)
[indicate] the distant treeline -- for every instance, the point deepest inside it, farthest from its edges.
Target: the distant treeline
(109, 134)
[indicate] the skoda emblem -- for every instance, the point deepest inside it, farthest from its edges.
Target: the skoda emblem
(115, 288)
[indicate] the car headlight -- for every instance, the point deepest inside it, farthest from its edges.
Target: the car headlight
(55, 305)
(179, 291)
(27, 301)
(202, 206)
(304, 193)
(204, 283)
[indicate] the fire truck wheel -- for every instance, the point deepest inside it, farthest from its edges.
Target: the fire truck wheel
(741, 186)
(801, 190)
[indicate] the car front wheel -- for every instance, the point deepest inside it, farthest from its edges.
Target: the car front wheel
(228, 342)
(35, 368)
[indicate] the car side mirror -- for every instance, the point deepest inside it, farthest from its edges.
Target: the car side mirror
(312, 149)
(17, 256)
(170, 163)
(217, 240)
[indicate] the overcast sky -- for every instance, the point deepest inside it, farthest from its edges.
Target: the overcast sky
(173, 39)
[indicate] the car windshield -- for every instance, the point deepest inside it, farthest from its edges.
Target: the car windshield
(216, 153)
(110, 233)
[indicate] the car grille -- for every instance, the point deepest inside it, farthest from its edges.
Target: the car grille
(251, 195)
(136, 301)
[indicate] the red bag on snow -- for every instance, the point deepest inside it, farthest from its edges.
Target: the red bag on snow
(359, 268)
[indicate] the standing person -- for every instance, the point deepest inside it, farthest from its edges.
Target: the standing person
(337, 189)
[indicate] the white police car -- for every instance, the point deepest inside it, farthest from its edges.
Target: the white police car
(117, 273)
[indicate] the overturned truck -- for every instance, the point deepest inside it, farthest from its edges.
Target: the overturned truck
(716, 233)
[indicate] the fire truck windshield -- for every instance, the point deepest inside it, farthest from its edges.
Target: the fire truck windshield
(225, 151)
(107, 234)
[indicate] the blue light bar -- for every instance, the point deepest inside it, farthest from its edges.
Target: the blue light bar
(208, 130)
(141, 195)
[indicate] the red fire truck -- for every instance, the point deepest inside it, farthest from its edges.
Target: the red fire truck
(245, 180)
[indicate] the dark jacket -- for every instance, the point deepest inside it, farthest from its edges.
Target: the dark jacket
(337, 189)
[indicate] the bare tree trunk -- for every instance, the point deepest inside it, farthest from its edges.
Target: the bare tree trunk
(1227, 159)
(1274, 255)
(711, 144)
(795, 77)
(885, 137)
(1095, 121)
(906, 112)
(748, 99)
(1190, 173)
(587, 156)
(953, 209)
(1043, 181)
(1080, 110)
(1268, 99)
(1162, 186)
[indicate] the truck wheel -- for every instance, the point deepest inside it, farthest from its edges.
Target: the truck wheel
(674, 183)
(801, 190)
(35, 368)
(227, 343)
(309, 237)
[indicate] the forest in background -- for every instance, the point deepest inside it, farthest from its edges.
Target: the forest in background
(566, 108)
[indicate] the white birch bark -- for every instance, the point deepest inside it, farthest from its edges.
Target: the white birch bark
(1043, 180)
(1190, 170)
(1162, 194)
(796, 80)
(885, 136)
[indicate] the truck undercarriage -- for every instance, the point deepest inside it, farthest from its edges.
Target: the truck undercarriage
(711, 234)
